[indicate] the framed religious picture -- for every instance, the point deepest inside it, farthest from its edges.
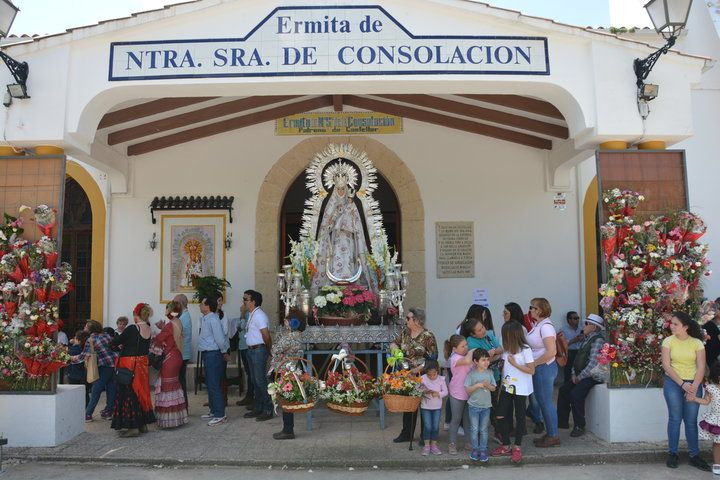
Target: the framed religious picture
(190, 246)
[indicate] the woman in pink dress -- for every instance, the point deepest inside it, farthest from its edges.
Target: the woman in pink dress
(170, 406)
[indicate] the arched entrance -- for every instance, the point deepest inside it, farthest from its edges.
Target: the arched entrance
(84, 188)
(288, 170)
(76, 250)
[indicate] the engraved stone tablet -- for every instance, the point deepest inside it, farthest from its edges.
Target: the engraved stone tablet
(455, 253)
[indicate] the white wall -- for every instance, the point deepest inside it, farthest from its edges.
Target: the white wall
(523, 248)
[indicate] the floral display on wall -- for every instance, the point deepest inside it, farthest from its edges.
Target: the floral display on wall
(654, 267)
(31, 283)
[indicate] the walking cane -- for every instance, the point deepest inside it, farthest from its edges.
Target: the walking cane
(412, 428)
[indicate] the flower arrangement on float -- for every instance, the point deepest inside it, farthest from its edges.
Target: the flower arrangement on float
(337, 303)
(303, 256)
(346, 389)
(31, 283)
(654, 267)
(294, 389)
(382, 259)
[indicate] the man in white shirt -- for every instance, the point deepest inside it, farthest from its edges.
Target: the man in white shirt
(259, 343)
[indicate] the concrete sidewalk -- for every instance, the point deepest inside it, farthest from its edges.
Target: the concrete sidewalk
(335, 441)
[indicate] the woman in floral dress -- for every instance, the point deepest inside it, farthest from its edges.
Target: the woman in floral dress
(417, 344)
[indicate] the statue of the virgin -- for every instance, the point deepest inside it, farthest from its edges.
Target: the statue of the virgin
(342, 231)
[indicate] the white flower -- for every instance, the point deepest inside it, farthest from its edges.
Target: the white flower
(320, 301)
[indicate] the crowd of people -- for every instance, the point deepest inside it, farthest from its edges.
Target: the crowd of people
(481, 379)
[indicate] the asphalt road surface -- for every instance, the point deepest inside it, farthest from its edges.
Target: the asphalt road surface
(51, 471)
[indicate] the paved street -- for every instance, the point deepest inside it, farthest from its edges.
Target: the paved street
(39, 471)
(335, 441)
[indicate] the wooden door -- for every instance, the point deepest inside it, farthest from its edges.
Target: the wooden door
(76, 250)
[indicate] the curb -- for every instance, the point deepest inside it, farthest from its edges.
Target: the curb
(562, 459)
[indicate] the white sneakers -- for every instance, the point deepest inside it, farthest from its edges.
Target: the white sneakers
(217, 421)
(207, 416)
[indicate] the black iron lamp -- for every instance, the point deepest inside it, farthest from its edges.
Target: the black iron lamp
(669, 18)
(228, 241)
(19, 70)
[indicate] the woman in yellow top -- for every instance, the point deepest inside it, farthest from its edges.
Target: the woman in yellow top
(683, 360)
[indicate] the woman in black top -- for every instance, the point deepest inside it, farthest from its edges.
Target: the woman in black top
(133, 407)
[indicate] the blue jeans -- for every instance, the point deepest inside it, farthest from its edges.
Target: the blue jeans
(543, 382)
(248, 375)
(431, 423)
(479, 426)
(258, 368)
(534, 409)
(213, 363)
(680, 410)
(105, 382)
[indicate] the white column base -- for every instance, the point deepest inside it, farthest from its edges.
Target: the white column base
(43, 420)
(628, 414)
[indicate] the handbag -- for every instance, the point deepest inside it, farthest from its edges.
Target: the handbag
(156, 357)
(91, 365)
(125, 376)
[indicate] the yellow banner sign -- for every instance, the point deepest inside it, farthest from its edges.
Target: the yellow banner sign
(338, 123)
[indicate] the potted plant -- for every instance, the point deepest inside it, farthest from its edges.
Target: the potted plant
(209, 286)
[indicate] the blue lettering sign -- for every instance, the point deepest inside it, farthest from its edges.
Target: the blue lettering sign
(297, 40)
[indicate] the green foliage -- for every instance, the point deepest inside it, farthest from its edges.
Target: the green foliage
(209, 286)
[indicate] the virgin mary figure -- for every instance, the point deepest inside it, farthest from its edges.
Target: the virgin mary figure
(342, 233)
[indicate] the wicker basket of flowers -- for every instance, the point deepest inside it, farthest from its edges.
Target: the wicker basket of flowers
(348, 390)
(295, 389)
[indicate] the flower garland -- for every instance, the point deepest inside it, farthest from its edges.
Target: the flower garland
(31, 283)
(653, 268)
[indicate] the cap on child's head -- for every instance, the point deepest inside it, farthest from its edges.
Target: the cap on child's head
(479, 353)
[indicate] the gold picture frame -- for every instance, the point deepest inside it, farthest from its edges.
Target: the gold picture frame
(190, 245)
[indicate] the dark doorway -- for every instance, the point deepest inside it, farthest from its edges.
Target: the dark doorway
(76, 250)
(294, 203)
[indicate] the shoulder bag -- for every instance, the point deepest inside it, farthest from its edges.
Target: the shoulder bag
(91, 364)
(125, 376)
